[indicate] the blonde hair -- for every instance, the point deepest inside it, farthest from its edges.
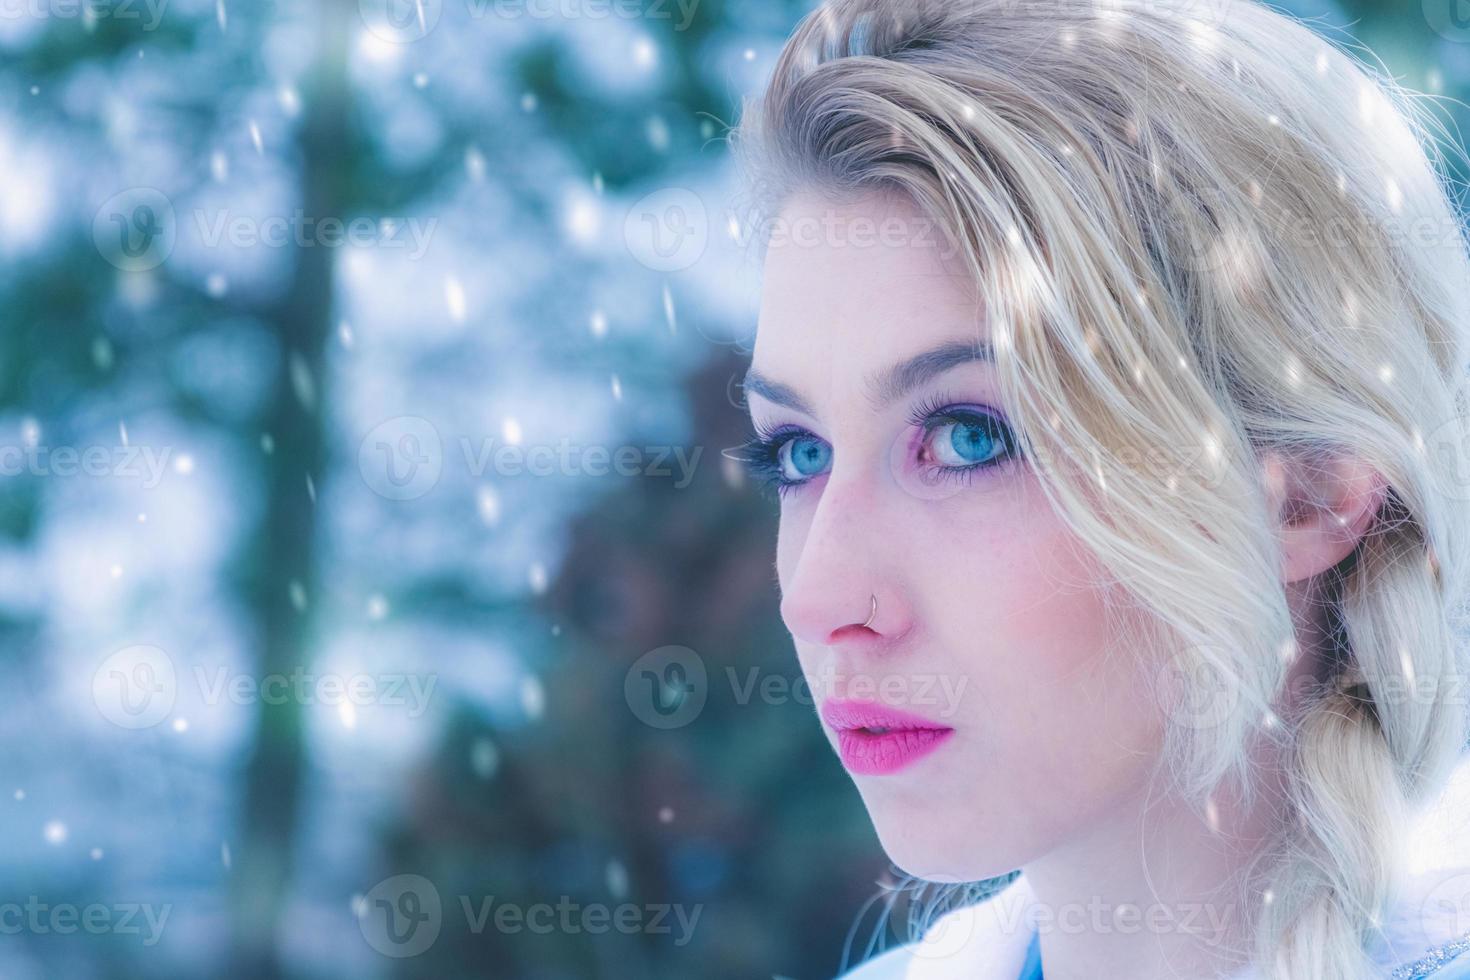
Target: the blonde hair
(1199, 234)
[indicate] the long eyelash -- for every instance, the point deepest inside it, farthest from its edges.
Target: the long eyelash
(941, 408)
(755, 455)
(758, 455)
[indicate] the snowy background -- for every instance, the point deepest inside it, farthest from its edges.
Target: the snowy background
(325, 604)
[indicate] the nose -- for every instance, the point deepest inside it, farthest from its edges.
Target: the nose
(843, 588)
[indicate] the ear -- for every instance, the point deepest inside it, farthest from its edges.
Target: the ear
(1322, 506)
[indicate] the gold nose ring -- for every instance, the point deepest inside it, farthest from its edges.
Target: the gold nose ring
(874, 613)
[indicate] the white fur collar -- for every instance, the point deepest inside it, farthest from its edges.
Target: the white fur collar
(988, 941)
(1423, 936)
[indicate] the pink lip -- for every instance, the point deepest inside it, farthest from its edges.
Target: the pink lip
(908, 738)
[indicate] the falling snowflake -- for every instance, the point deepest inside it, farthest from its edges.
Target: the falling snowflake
(488, 504)
(617, 878)
(454, 298)
(533, 697)
(484, 758)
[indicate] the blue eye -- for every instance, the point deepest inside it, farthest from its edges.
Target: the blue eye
(803, 457)
(960, 441)
(785, 458)
(964, 442)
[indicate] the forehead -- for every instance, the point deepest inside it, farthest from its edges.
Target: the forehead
(866, 279)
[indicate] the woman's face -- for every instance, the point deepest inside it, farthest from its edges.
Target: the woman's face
(883, 422)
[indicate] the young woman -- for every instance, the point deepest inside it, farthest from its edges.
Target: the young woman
(1111, 368)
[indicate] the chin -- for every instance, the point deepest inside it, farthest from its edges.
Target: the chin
(935, 846)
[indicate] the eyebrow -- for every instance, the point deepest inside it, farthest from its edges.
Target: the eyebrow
(887, 386)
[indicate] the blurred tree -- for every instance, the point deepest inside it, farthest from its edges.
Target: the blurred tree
(281, 561)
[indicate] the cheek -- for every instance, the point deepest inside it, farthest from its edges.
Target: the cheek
(791, 532)
(1056, 695)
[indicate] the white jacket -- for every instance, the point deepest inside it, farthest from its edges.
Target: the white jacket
(1427, 935)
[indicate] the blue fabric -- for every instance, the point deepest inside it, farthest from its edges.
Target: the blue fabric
(1031, 969)
(1456, 969)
